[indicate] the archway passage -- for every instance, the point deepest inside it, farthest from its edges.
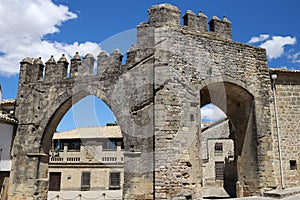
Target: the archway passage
(87, 153)
(241, 168)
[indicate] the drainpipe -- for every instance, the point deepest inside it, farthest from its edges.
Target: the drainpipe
(274, 77)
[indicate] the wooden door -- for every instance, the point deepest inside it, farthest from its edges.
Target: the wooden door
(54, 181)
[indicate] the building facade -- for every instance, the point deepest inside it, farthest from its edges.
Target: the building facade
(87, 159)
(7, 133)
(286, 91)
(217, 156)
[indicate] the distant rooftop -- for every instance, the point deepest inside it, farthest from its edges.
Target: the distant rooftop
(7, 110)
(283, 69)
(7, 101)
(90, 132)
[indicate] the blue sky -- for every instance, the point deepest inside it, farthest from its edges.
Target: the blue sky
(33, 28)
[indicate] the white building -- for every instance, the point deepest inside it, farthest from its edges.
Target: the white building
(7, 132)
(217, 157)
(87, 161)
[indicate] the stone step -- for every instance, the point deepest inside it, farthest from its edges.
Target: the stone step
(215, 193)
(279, 194)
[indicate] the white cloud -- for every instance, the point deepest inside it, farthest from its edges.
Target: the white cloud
(260, 38)
(211, 112)
(295, 57)
(24, 23)
(275, 45)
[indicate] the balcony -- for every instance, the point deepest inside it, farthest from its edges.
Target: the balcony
(87, 154)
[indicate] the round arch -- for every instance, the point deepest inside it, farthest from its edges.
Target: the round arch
(235, 100)
(51, 120)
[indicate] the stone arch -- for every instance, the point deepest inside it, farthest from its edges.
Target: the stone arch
(55, 118)
(228, 79)
(58, 112)
(239, 105)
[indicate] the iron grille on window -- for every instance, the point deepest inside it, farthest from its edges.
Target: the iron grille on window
(85, 181)
(114, 180)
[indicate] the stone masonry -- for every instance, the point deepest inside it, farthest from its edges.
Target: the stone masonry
(156, 97)
(288, 105)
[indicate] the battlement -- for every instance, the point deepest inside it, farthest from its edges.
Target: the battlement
(33, 70)
(169, 15)
(163, 15)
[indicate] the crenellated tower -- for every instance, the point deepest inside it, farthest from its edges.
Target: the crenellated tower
(168, 15)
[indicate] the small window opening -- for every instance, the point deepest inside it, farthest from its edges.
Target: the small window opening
(218, 149)
(293, 165)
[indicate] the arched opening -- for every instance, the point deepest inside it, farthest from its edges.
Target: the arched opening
(85, 147)
(231, 139)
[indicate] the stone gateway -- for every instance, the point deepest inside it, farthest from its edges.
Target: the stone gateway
(170, 73)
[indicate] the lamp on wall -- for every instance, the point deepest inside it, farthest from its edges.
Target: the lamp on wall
(274, 78)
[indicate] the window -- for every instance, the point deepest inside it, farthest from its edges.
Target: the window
(293, 165)
(109, 144)
(85, 181)
(74, 145)
(114, 181)
(218, 149)
(112, 143)
(58, 146)
(219, 170)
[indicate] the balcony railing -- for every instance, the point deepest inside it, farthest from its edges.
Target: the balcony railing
(73, 159)
(82, 156)
(56, 159)
(109, 159)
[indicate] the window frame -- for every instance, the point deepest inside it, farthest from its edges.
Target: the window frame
(114, 182)
(76, 147)
(85, 181)
(109, 145)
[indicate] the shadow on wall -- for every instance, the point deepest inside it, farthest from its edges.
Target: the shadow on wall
(230, 177)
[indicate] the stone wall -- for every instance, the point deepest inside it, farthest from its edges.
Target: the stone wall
(288, 107)
(201, 67)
